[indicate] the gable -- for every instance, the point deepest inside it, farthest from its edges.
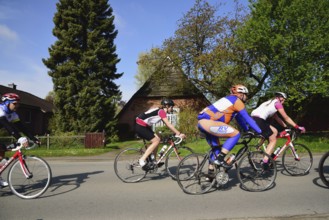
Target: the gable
(29, 99)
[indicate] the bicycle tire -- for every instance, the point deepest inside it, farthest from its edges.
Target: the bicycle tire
(126, 165)
(192, 174)
(175, 159)
(251, 174)
(297, 167)
(34, 186)
(324, 169)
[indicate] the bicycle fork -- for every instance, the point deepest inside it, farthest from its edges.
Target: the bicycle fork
(293, 150)
(24, 168)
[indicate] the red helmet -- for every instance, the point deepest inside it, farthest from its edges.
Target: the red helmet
(10, 97)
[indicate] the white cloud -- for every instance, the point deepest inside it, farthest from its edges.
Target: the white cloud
(7, 33)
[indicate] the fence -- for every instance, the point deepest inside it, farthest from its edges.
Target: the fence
(172, 118)
(89, 140)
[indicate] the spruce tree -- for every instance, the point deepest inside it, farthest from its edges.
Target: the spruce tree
(82, 65)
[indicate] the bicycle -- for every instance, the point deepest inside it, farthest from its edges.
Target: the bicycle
(298, 160)
(29, 176)
(324, 168)
(193, 176)
(127, 168)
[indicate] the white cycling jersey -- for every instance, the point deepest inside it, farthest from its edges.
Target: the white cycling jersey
(11, 117)
(267, 109)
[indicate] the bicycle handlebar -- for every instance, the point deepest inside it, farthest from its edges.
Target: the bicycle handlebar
(18, 146)
(178, 139)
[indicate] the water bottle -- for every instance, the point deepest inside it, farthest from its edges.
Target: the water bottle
(163, 149)
(230, 159)
(277, 151)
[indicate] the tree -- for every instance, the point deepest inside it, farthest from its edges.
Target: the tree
(149, 63)
(82, 65)
(204, 47)
(288, 45)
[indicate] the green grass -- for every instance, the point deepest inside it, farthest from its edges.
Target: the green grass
(317, 144)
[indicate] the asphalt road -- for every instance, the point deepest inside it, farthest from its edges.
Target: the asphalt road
(87, 188)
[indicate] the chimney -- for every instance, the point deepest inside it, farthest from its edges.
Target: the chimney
(13, 86)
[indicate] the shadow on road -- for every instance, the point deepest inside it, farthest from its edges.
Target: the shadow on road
(66, 183)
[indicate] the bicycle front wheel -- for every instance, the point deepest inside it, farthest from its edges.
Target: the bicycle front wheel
(174, 157)
(252, 175)
(192, 174)
(36, 183)
(324, 168)
(126, 165)
(300, 165)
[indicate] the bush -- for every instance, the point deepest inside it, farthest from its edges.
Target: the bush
(188, 123)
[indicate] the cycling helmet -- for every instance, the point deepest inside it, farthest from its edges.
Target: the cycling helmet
(10, 97)
(239, 89)
(167, 102)
(282, 94)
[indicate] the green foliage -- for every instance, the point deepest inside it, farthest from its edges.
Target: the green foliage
(82, 65)
(149, 63)
(188, 123)
(204, 47)
(287, 42)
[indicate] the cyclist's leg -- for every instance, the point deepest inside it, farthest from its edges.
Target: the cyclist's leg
(220, 129)
(270, 133)
(147, 134)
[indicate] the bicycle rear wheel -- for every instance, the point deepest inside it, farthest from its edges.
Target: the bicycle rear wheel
(192, 174)
(297, 167)
(251, 173)
(174, 157)
(324, 168)
(126, 165)
(34, 185)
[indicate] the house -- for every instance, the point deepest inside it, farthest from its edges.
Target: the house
(170, 83)
(34, 112)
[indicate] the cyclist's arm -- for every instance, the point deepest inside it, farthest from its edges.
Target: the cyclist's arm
(286, 117)
(12, 130)
(170, 126)
(24, 130)
(250, 121)
(279, 120)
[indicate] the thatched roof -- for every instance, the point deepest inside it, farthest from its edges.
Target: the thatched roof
(168, 83)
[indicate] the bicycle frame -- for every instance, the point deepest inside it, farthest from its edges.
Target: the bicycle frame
(290, 136)
(172, 144)
(18, 155)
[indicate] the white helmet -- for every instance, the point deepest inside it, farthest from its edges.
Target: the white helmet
(282, 94)
(239, 89)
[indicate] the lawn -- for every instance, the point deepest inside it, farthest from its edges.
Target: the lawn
(316, 143)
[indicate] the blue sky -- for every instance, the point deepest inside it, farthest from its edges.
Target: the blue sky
(26, 34)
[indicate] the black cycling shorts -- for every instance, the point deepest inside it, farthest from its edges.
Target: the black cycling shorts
(265, 126)
(144, 132)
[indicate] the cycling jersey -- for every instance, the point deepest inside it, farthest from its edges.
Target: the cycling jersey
(227, 108)
(11, 122)
(267, 109)
(9, 115)
(214, 122)
(150, 117)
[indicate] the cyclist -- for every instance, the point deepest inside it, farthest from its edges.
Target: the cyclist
(143, 129)
(270, 109)
(9, 120)
(214, 121)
